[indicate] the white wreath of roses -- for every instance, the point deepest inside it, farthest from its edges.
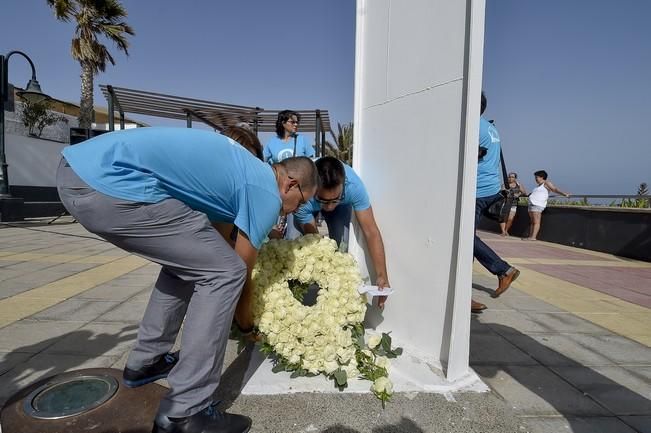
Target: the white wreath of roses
(317, 339)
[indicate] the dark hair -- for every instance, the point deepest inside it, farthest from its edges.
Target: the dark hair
(331, 172)
(541, 173)
(302, 169)
(515, 175)
(283, 117)
(246, 138)
(483, 103)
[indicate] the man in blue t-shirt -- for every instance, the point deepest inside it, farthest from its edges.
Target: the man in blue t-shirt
(489, 184)
(156, 192)
(340, 192)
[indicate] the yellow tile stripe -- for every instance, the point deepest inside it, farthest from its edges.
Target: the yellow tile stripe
(32, 301)
(621, 317)
(54, 258)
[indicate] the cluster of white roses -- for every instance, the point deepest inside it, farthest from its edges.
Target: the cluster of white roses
(316, 339)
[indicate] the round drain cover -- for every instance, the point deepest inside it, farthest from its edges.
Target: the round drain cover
(70, 397)
(63, 403)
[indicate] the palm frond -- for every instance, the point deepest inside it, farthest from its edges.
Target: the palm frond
(64, 10)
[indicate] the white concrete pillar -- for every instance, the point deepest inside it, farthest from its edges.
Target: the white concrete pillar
(417, 88)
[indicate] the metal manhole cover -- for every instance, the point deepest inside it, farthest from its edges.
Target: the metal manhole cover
(70, 397)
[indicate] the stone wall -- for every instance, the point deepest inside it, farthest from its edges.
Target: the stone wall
(58, 132)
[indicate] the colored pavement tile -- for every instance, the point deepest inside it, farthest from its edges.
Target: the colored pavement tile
(611, 292)
(618, 282)
(514, 247)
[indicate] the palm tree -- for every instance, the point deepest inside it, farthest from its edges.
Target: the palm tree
(94, 18)
(343, 149)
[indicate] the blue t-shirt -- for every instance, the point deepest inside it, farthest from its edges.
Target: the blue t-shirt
(354, 193)
(208, 172)
(488, 170)
(277, 149)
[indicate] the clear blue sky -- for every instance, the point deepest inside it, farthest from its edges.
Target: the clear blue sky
(272, 54)
(569, 86)
(568, 82)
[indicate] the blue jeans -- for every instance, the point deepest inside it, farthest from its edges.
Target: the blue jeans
(482, 252)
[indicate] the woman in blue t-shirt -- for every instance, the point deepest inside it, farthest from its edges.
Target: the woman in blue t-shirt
(286, 144)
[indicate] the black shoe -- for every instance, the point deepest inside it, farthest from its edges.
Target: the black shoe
(150, 373)
(209, 420)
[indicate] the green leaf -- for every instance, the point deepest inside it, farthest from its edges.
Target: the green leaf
(341, 377)
(385, 342)
(278, 368)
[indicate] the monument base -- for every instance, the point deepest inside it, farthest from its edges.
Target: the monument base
(408, 373)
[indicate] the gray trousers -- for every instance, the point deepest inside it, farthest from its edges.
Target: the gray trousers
(201, 279)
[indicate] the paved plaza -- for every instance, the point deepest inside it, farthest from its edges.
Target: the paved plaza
(567, 349)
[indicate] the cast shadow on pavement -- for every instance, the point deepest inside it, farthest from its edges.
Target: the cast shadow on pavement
(579, 393)
(31, 361)
(404, 426)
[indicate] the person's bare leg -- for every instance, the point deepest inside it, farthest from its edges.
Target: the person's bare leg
(535, 225)
(503, 229)
(531, 217)
(509, 222)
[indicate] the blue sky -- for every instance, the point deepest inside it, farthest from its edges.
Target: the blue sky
(272, 54)
(569, 86)
(567, 81)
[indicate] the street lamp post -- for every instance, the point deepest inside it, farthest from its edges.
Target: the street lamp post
(32, 93)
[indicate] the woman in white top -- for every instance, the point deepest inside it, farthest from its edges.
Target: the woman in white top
(538, 201)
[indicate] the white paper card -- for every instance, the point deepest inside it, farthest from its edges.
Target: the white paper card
(375, 290)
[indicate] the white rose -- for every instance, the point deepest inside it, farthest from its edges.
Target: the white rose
(351, 370)
(373, 341)
(330, 367)
(274, 328)
(329, 353)
(383, 362)
(345, 355)
(382, 384)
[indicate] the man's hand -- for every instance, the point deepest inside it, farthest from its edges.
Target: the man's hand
(243, 311)
(381, 282)
(276, 233)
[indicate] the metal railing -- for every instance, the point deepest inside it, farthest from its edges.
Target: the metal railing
(618, 200)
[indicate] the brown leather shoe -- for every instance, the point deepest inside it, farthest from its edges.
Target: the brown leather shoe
(505, 281)
(476, 307)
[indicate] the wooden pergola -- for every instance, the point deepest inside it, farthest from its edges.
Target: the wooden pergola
(217, 115)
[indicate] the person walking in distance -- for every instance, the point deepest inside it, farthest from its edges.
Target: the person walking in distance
(488, 191)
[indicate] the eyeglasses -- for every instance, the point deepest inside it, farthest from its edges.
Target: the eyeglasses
(293, 122)
(332, 200)
(303, 201)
